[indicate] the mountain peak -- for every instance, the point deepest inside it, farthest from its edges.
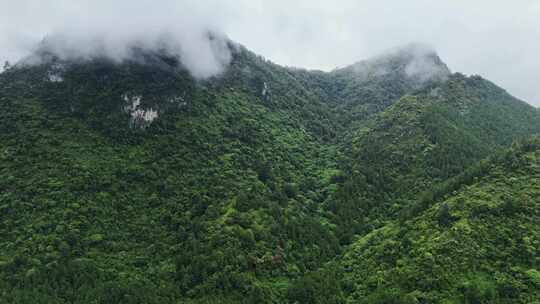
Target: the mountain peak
(415, 61)
(204, 55)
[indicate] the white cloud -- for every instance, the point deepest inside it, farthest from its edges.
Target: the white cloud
(499, 40)
(82, 29)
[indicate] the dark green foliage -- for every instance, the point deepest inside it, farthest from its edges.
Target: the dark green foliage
(478, 290)
(317, 287)
(326, 188)
(218, 197)
(444, 217)
(466, 249)
(418, 148)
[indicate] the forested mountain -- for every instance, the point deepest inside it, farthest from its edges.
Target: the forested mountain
(424, 139)
(477, 242)
(134, 182)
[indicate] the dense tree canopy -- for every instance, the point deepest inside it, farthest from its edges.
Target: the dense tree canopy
(136, 183)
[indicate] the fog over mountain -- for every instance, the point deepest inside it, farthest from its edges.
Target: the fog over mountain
(87, 30)
(498, 40)
(202, 52)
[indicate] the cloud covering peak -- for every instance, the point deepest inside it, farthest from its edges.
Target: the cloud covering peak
(202, 53)
(417, 61)
(181, 29)
(499, 40)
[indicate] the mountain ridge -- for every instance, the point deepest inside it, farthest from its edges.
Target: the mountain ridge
(138, 183)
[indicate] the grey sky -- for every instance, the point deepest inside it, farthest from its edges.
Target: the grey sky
(497, 39)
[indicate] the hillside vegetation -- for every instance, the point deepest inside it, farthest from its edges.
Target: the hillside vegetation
(133, 182)
(478, 242)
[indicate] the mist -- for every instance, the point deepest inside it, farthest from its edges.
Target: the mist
(424, 64)
(183, 32)
(499, 40)
(203, 53)
(417, 60)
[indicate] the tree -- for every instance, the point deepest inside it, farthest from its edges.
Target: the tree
(444, 217)
(7, 65)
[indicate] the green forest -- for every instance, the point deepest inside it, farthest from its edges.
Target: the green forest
(134, 182)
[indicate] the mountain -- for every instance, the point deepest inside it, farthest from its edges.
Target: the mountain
(422, 139)
(369, 86)
(476, 243)
(134, 182)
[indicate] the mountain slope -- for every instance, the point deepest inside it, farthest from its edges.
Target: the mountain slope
(133, 182)
(423, 139)
(476, 244)
(370, 86)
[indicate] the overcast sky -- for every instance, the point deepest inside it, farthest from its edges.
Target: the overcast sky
(497, 39)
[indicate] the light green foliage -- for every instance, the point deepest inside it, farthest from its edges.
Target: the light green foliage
(484, 254)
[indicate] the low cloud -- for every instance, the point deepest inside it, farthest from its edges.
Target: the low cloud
(499, 40)
(418, 61)
(113, 31)
(425, 64)
(203, 53)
